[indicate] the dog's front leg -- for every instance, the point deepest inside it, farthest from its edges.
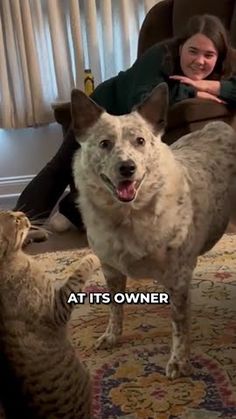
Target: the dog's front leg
(179, 363)
(116, 282)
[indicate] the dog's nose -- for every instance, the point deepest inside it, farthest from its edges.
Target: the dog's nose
(127, 168)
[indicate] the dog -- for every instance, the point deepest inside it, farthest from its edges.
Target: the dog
(151, 209)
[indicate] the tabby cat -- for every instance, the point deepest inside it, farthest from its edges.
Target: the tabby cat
(40, 375)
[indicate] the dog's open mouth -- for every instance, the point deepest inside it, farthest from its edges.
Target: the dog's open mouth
(125, 191)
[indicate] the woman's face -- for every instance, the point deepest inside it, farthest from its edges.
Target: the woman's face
(198, 57)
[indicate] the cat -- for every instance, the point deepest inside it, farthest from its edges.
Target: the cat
(40, 375)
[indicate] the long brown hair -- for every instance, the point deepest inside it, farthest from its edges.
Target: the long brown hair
(212, 27)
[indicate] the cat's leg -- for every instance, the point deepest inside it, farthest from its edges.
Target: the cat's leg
(116, 282)
(74, 284)
(179, 363)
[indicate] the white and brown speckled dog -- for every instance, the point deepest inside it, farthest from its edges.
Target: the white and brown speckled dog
(150, 210)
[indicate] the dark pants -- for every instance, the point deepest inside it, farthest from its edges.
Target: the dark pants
(41, 195)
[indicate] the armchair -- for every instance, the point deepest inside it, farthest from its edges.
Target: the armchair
(164, 20)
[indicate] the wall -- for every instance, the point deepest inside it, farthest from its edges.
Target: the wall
(23, 153)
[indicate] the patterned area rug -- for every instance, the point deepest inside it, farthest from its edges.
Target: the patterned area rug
(129, 381)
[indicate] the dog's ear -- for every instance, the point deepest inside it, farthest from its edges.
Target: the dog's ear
(84, 111)
(155, 107)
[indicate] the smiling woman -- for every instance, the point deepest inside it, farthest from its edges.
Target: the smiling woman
(198, 56)
(200, 63)
(204, 57)
(207, 61)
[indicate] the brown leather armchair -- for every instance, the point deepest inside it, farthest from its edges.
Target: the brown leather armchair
(164, 20)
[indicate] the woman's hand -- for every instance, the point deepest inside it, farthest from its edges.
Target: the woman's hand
(205, 95)
(208, 86)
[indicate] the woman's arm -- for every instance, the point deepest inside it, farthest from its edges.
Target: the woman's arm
(208, 86)
(228, 91)
(224, 89)
(206, 95)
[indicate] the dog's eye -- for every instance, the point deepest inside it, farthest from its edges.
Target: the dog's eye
(106, 144)
(140, 141)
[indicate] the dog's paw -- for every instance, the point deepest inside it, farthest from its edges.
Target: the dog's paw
(106, 341)
(177, 368)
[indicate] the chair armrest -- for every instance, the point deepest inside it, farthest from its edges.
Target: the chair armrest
(193, 110)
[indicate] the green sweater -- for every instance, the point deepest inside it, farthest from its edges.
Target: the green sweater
(119, 94)
(228, 91)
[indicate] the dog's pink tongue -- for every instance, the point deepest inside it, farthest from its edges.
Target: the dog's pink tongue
(126, 190)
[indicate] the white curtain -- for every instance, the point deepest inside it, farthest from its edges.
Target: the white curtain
(45, 45)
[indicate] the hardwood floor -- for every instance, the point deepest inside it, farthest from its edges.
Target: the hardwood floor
(63, 241)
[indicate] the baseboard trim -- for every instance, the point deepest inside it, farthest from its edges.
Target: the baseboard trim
(14, 185)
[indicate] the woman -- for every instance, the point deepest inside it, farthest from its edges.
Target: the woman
(197, 64)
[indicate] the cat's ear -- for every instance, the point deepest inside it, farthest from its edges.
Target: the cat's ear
(84, 111)
(154, 108)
